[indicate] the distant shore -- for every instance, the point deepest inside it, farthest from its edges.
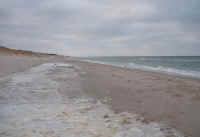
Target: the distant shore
(157, 97)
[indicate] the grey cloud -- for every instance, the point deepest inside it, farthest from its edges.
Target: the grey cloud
(107, 27)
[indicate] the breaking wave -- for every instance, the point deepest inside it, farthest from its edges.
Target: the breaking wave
(161, 69)
(167, 70)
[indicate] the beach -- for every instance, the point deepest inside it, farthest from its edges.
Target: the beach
(157, 97)
(58, 96)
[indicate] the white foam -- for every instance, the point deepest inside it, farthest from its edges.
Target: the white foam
(161, 69)
(166, 70)
(63, 65)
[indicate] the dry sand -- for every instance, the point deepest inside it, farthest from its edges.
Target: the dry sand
(160, 98)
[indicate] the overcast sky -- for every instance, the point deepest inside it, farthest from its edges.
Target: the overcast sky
(102, 27)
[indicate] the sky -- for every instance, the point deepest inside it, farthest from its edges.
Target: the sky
(102, 27)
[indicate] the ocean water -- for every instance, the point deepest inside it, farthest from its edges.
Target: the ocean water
(176, 65)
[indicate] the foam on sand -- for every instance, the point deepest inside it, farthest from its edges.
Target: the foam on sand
(32, 105)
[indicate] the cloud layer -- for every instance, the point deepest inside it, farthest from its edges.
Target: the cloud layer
(106, 27)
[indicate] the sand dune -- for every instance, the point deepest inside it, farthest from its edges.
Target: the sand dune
(5, 50)
(12, 60)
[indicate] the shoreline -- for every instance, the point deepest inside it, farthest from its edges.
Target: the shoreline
(142, 70)
(158, 97)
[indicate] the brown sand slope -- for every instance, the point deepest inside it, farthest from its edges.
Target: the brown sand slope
(12, 60)
(4, 50)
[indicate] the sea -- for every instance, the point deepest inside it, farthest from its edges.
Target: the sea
(188, 66)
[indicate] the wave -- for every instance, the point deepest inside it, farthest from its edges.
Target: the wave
(161, 69)
(169, 60)
(166, 70)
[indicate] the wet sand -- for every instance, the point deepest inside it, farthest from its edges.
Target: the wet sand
(159, 98)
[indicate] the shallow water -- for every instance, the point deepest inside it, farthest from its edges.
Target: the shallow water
(33, 104)
(177, 65)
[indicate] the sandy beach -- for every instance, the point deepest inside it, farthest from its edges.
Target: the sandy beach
(157, 97)
(49, 96)
(99, 68)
